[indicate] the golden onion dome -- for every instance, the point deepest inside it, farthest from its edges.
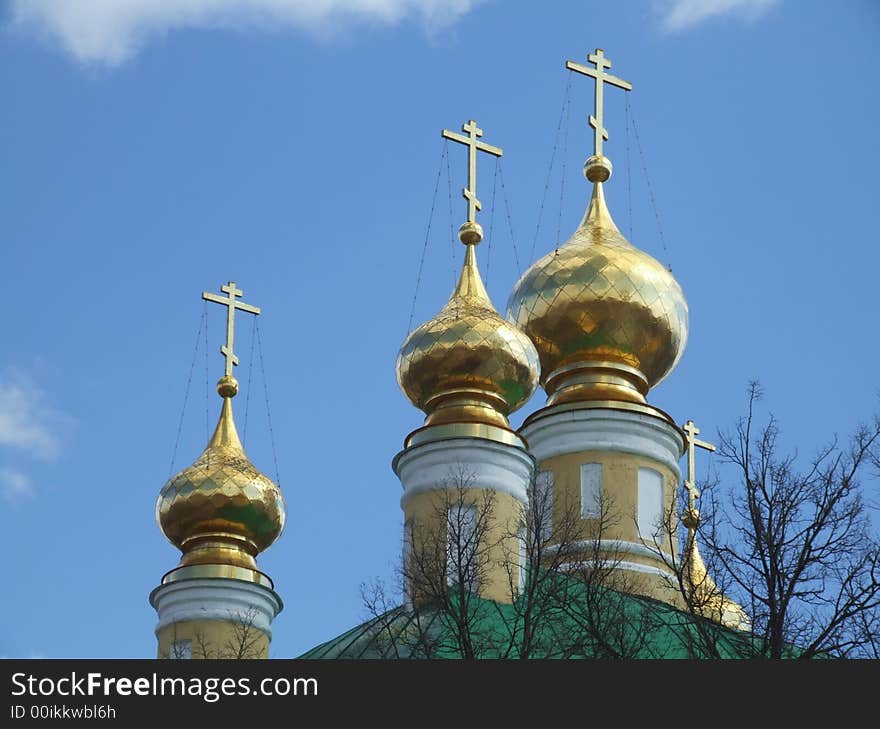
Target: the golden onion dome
(221, 509)
(608, 320)
(468, 364)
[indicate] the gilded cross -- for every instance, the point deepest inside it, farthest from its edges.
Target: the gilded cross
(691, 482)
(473, 144)
(230, 301)
(601, 63)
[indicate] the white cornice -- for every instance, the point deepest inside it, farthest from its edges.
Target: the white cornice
(619, 431)
(473, 462)
(631, 566)
(616, 546)
(217, 599)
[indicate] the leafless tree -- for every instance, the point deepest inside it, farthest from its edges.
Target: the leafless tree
(776, 562)
(449, 555)
(702, 587)
(795, 546)
(610, 624)
(202, 647)
(177, 649)
(243, 640)
(563, 588)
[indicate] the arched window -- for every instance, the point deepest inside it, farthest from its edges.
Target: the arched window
(650, 504)
(591, 490)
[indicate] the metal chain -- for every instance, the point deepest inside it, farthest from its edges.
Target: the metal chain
(266, 394)
(207, 385)
(550, 168)
(451, 227)
(192, 367)
(629, 198)
(247, 397)
(509, 221)
(651, 191)
(412, 310)
(567, 103)
(491, 223)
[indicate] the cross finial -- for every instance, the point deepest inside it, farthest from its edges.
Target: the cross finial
(230, 301)
(601, 63)
(473, 145)
(691, 482)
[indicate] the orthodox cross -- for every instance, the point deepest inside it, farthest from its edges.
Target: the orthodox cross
(473, 144)
(598, 59)
(232, 303)
(691, 482)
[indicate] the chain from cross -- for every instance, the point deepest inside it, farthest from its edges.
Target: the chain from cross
(230, 301)
(690, 483)
(601, 63)
(473, 144)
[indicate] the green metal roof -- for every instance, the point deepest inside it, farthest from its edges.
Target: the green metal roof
(600, 623)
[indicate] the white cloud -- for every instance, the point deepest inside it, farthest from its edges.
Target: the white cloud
(111, 31)
(28, 422)
(14, 485)
(683, 14)
(29, 426)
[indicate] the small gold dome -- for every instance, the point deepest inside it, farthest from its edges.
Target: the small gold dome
(468, 364)
(221, 510)
(705, 597)
(608, 320)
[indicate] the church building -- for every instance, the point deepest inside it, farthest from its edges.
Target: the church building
(566, 537)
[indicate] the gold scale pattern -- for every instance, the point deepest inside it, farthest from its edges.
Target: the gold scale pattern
(222, 493)
(468, 346)
(597, 297)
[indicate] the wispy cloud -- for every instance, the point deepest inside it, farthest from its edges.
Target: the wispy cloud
(28, 421)
(30, 427)
(109, 32)
(14, 485)
(678, 15)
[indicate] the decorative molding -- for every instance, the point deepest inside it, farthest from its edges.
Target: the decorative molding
(214, 599)
(618, 546)
(436, 466)
(631, 566)
(619, 431)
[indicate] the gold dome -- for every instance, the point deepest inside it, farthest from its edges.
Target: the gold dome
(705, 597)
(221, 510)
(468, 364)
(608, 320)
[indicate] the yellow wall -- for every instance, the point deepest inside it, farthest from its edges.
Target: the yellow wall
(214, 639)
(499, 518)
(619, 489)
(499, 553)
(620, 509)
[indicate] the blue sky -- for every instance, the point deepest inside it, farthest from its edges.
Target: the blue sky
(151, 153)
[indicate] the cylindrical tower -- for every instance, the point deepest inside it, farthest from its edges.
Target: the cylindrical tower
(465, 473)
(221, 512)
(609, 322)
